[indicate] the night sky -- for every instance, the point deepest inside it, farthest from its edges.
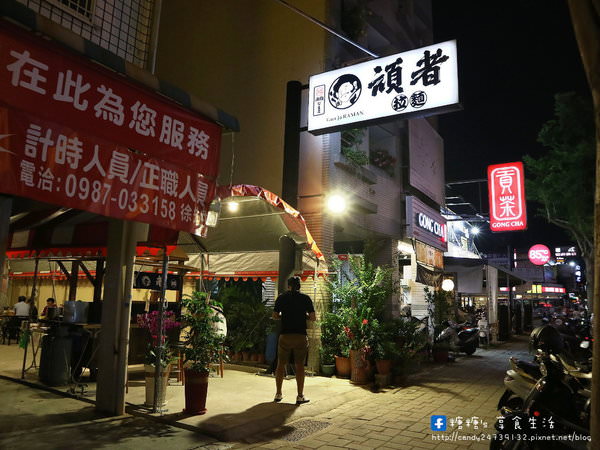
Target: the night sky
(513, 57)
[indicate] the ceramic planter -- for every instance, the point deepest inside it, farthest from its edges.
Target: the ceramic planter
(196, 391)
(149, 372)
(359, 366)
(342, 366)
(327, 370)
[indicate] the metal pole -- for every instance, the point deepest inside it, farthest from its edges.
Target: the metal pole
(158, 349)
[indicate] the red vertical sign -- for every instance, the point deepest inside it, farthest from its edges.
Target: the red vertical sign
(506, 187)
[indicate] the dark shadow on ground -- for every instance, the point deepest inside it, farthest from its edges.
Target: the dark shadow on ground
(231, 427)
(99, 434)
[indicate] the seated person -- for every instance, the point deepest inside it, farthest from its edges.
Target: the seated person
(50, 303)
(22, 307)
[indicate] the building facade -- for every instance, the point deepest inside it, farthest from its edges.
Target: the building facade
(242, 56)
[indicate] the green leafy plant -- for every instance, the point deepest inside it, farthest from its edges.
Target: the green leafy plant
(359, 298)
(386, 349)
(248, 318)
(442, 307)
(202, 343)
(334, 342)
(351, 140)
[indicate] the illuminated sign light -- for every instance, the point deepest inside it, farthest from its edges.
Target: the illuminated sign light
(506, 187)
(416, 83)
(431, 225)
(539, 254)
(565, 251)
(556, 290)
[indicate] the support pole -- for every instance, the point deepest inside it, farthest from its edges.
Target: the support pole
(158, 350)
(5, 212)
(116, 315)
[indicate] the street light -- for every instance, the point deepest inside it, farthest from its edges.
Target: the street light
(336, 203)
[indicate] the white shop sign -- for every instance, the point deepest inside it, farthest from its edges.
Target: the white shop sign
(419, 83)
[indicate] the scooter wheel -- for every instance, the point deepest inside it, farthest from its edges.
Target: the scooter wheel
(469, 351)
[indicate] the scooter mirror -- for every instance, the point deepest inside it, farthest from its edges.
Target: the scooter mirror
(585, 344)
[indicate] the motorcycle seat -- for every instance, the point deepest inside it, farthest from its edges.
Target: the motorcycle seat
(531, 369)
(572, 370)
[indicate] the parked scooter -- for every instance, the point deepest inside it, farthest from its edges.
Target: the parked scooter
(461, 337)
(558, 404)
(519, 380)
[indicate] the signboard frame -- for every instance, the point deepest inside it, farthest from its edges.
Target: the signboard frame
(506, 183)
(416, 83)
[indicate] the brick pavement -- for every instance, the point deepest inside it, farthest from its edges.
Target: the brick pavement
(400, 418)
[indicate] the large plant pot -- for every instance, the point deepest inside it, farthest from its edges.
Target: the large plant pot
(360, 367)
(196, 388)
(384, 366)
(342, 366)
(149, 372)
(327, 370)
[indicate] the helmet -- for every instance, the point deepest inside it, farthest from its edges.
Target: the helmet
(546, 338)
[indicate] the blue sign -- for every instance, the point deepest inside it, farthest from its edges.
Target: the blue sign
(438, 423)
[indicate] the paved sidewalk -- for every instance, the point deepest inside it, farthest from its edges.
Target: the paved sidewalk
(400, 418)
(33, 418)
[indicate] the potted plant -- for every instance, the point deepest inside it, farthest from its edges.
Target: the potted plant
(202, 346)
(359, 296)
(158, 353)
(331, 342)
(385, 353)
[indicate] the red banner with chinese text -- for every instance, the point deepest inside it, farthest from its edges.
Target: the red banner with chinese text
(55, 164)
(52, 83)
(506, 188)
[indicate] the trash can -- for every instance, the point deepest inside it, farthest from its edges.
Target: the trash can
(55, 361)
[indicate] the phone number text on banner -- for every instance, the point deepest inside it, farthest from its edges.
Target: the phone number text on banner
(54, 164)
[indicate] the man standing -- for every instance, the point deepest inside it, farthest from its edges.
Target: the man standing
(293, 308)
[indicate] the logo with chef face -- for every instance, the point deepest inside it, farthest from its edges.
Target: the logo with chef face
(345, 91)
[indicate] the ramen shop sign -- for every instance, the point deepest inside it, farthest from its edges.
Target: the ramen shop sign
(416, 83)
(506, 187)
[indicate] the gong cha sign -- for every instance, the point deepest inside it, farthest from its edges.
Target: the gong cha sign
(506, 188)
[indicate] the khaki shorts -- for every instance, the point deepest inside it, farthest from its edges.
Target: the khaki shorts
(292, 343)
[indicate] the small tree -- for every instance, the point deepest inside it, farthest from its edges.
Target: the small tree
(563, 179)
(203, 343)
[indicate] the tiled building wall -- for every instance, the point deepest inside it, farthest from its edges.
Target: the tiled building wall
(122, 27)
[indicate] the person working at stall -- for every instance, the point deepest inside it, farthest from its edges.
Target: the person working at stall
(50, 303)
(22, 307)
(293, 308)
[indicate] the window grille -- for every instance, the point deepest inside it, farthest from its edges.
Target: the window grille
(123, 28)
(84, 8)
